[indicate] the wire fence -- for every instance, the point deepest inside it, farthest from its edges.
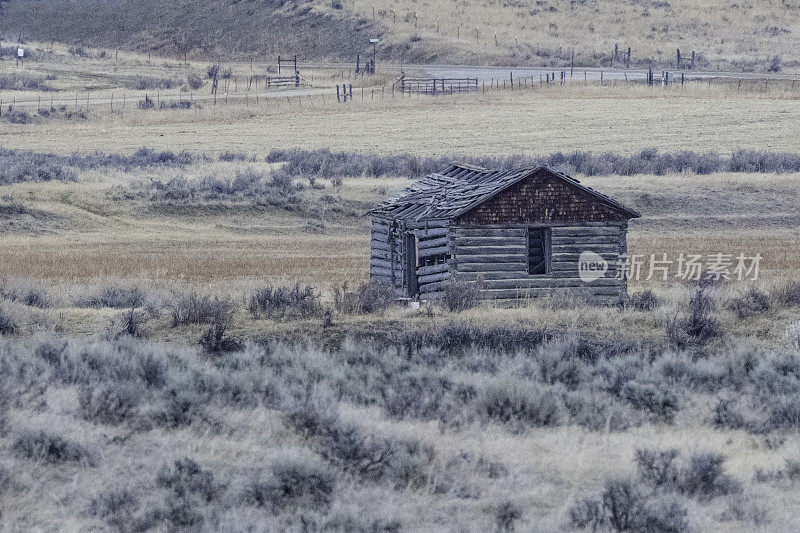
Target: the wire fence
(294, 93)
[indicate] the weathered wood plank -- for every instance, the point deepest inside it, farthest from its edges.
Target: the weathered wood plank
(432, 243)
(526, 225)
(497, 258)
(382, 263)
(488, 250)
(381, 254)
(489, 241)
(380, 271)
(433, 287)
(548, 283)
(431, 278)
(431, 233)
(585, 241)
(487, 232)
(473, 276)
(558, 248)
(380, 245)
(433, 251)
(564, 257)
(491, 267)
(440, 223)
(433, 269)
(585, 231)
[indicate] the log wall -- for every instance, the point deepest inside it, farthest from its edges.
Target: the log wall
(433, 255)
(498, 256)
(386, 256)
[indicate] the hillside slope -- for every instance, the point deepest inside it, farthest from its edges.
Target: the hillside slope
(218, 28)
(725, 34)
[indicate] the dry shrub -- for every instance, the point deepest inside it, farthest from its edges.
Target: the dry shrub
(518, 403)
(461, 295)
(753, 302)
(506, 514)
(404, 462)
(643, 301)
(109, 404)
(699, 327)
(365, 299)
(626, 505)
(660, 402)
(185, 476)
(214, 339)
(296, 478)
(51, 448)
(283, 302)
(8, 325)
(788, 294)
(114, 297)
(195, 309)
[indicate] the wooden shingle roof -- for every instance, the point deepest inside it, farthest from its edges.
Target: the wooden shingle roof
(459, 188)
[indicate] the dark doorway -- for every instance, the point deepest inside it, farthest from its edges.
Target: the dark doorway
(538, 251)
(410, 268)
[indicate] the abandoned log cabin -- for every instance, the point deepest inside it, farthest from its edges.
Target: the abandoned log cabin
(518, 233)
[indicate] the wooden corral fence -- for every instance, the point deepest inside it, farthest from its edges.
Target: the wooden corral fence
(434, 86)
(284, 63)
(276, 82)
(283, 81)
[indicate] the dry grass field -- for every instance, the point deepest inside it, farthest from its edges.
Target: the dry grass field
(735, 34)
(721, 116)
(188, 342)
(83, 230)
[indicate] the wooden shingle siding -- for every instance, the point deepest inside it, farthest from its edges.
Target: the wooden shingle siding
(542, 198)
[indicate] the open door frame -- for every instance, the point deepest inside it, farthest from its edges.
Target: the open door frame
(410, 267)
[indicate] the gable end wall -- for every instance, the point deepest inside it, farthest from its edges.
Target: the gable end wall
(541, 198)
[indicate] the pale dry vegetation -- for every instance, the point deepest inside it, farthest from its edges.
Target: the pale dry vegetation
(187, 335)
(299, 412)
(248, 399)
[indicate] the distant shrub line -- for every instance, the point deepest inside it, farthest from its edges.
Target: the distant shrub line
(20, 165)
(20, 82)
(327, 164)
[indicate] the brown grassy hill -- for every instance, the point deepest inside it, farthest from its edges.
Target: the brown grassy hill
(726, 34)
(218, 28)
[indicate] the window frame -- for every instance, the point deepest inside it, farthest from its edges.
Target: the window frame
(546, 233)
